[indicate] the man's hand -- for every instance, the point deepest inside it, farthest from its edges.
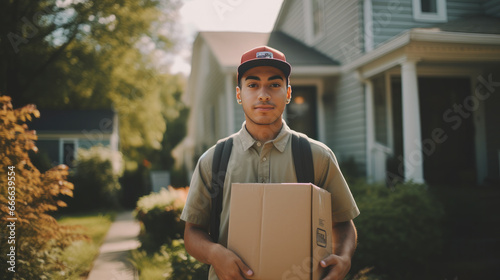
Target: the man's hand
(227, 265)
(344, 238)
(340, 266)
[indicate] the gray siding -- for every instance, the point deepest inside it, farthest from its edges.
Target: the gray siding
(391, 18)
(343, 38)
(345, 128)
(492, 8)
(292, 21)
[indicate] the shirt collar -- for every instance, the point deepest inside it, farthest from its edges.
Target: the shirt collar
(279, 142)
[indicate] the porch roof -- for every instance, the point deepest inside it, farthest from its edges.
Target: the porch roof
(470, 39)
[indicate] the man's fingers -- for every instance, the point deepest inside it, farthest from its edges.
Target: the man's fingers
(244, 268)
(330, 260)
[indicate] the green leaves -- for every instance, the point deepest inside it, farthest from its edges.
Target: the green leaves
(90, 55)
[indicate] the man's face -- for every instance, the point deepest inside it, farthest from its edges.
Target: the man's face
(263, 94)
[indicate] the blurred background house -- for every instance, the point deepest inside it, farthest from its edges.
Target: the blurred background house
(405, 90)
(62, 132)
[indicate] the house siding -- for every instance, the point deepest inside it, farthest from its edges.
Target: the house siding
(293, 22)
(342, 40)
(492, 8)
(345, 134)
(391, 18)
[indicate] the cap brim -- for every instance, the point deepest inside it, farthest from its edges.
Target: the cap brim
(282, 65)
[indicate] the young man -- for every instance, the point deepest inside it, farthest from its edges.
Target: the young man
(261, 153)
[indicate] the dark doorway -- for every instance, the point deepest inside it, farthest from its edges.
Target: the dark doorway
(451, 159)
(301, 112)
(444, 109)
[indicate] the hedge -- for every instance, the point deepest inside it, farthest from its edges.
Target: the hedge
(400, 231)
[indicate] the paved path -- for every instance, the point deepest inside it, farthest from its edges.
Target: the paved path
(112, 262)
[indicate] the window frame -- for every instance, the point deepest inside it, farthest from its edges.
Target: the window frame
(63, 141)
(441, 15)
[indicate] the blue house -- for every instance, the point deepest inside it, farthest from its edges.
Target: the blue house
(407, 89)
(62, 132)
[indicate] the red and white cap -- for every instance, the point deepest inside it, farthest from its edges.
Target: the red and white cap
(264, 56)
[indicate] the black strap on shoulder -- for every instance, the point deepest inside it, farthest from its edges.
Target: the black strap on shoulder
(302, 159)
(219, 168)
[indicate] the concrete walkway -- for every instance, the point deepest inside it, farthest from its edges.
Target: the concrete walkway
(112, 262)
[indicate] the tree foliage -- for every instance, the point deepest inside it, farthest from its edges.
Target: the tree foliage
(90, 54)
(29, 199)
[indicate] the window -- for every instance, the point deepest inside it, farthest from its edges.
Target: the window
(67, 151)
(428, 6)
(429, 10)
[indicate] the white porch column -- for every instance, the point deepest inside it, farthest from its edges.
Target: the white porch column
(413, 158)
(370, 129)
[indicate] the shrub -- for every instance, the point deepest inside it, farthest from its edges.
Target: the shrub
(29, 198)
(159, 215)
(400, 230)
(171, 262)
(96, 179)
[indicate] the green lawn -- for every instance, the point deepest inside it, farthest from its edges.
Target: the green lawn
(77, 259)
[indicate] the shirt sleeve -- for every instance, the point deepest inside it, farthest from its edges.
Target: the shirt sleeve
(199, 199)
(329, 177)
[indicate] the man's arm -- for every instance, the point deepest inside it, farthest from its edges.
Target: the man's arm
(227, 264)
(344, 243)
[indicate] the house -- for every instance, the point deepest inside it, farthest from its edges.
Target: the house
(406, 88)
(62, 132)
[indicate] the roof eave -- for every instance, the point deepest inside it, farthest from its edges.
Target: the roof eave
(422, 35)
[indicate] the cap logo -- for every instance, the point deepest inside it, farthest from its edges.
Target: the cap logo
(264, 55)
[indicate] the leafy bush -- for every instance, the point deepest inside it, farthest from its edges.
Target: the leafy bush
(159, 215)
(400, 230)
(171, 262)
(26, 199)
(96, 179)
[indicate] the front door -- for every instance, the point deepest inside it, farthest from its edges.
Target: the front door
(301, 112)
(442, 111)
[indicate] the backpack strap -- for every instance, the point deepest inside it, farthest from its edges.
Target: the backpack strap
(219, 168)
(302, 159)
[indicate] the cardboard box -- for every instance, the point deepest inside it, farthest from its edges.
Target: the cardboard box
(281, 231)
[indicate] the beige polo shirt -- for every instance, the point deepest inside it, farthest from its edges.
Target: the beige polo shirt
(271, 162)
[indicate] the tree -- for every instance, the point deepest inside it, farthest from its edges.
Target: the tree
(30, 235)
(89, 54)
